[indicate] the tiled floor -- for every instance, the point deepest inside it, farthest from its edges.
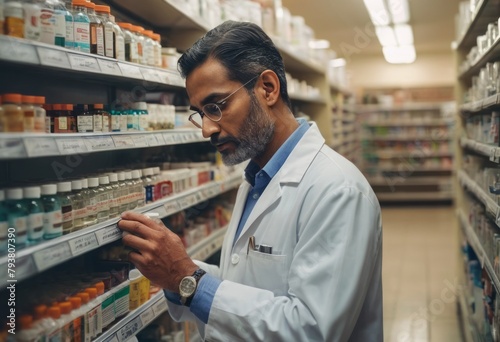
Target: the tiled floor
(419, 274)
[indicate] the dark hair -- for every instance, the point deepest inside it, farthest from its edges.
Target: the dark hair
(243, 48)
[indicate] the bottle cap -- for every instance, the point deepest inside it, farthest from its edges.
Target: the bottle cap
(157, 37)
(98, 106)
(121, 176)
(148, 33)
(40, 311)
(129, 175)
(14, 98)
(49, 189)
(85, 183)
(76, 184)
(66, 308)
(39, 100)
(15, 194)
(93, 182)
(27, 99)
(101, 8)
(25, 321)
(113, 177)
(156, 170)
(90, 4)
(55, 312)
(67, 106)
(32, 192)
(136, 174)
(64, 187)
(84, 297)
(76, 302)
(80, 3)
(141, 105)
(57, 106)
(92, 291)
(126, 26)
(104, 180)
(140, 29)
(100, 288)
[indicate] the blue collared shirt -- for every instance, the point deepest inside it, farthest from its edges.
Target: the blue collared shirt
(258, 179)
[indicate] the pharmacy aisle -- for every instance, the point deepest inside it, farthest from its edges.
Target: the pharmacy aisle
(421, 290)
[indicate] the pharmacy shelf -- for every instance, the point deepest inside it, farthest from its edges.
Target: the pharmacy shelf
(38, 258)
(410, 181)
(406, 138)
(407, 167)
(492, 54)
(477, 106)
(491, 206)
(470, 330)
(487, 11)
(430, 123)
(415, 154)
(68, 63)
(415, 196)
(307, 99)
(476, 245)
(32, 145)
(208, 246)
(338, 88)
(296, 61)
(422, 106)
(136, 320)
(493, 152)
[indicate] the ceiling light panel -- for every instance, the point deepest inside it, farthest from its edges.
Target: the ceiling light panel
(400, 11)
(404, 34)
(400, 54)
(386, 36)
(378, 12)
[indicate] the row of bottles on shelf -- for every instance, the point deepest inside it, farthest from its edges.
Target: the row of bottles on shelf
(485, 84)
(82, 26)
(410, 164)
(50, 210)
(22, 113)
(437, 133)
(486, 176)
(484, 127)
(411, 149)
(404, 117)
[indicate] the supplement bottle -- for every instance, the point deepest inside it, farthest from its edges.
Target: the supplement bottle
(27, 332)
(36, 212)
(63, 25)
(43, 322)
(14, 118)
(14, 19)
(138, 188)
(96, 31)
(105, 198)
(114, 206)
(123, 199)
(4, 223)
(28, 113)
(67, 110)
(47, 22)
(131, 53)
(78, 205)
(49, 119)
(64, 191)
(157, 49)
(84, 119)
(76, 315)
(81, 24)
(94, 198)
(32, 12)
(138, 31)
(102, 13)
(147, 183)
(84, 309)
(60, 119)
(54, 334)
(40, 114)
(97, 115)
(52, 219)
(149, 47)
(132, 187)
(17, 215)
(66, 321)
(119, 40)
(115, 120)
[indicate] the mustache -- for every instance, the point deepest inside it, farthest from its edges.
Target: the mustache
(216, 140)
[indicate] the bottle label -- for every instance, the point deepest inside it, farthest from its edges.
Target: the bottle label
(143, 122)
(148, 193)
(49, 122)
(69, 41)
(4, 226)
(115, 123)
(47, 26)
(67, 213)
(35, 226)
(134, 52)
(85, 123)
(20, 224)
(108, 41)
(60, 124)
(92, 207)
(29, 120)
(120, 48)
(82, 36)
(59, 24)
(100, 40)
(31, 21)
(105, 123)
(80, 213)
(124, 123)
(52, 223)
(97, 123)
(40, 123)
(130, 122)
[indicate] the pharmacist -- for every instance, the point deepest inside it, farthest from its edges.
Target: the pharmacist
(302, 257)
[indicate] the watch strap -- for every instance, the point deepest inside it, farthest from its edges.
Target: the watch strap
(197, 276)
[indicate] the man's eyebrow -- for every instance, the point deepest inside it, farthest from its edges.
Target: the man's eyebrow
(211, 98)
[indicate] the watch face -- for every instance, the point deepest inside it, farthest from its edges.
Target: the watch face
(187, 286)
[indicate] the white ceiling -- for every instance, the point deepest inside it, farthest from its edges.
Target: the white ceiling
(433, 23)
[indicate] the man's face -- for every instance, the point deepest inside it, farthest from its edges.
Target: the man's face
(245, 129)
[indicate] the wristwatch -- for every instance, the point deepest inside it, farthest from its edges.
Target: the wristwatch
(188, 285)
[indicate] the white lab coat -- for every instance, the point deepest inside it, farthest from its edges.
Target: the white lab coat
(323, 280)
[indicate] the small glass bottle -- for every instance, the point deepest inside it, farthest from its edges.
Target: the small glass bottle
(104, 114)
(131, 53)
(35, 213)
(84, 119)
(147, 183)
(104, 199)
(131, 186)
(64, 191)
(28, 113)
(49, 118)
(96, 31)
(14, 18)
(4, 223)
(139, 188)
(124, 191)
(115, 120)
(94, 197)
(102, 13)
(81, 24)
(47, 22)
(32, 13)
(97, 115)
(14, 117)
(60, 119)
(138, 31)
(78, 205)
(52, 219)
(157, 48)
(114, 206)
(86, 198)
(40, 114)
(60, 22)
(67, 110)
(119, 40)
(149, 47)
(17, 215)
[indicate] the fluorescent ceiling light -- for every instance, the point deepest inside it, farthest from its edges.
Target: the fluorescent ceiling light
(400, 54)
(319, 44)
(385, 35)
(378, 12)
(399, 11)
(404, 34)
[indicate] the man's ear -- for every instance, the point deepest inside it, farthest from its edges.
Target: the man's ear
(269, 87)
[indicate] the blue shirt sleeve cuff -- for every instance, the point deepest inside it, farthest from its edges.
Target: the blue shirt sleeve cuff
(204, 297)
(173, 297)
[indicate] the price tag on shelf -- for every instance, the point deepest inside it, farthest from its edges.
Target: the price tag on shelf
(15, 50)
(151, 140)
(147, 316)
(12, 148)
(151, 75)
(164, 77)
(25, 267)
(53, 57)
(131, 71)
(71, 146)
(39, 147)
(99, 143)
(171, 207)
(123, 141)
(139, 140)
(169, 138)
(130, 329)
(160, 306)
(54, 255)
(187, 201)
(108, 234)
(109, 67)
(160, 138)
(83, 244)
(84, 63)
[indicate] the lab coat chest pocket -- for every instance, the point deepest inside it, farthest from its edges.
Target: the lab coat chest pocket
(267, 271)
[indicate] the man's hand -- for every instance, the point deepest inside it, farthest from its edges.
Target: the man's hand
(159, 253)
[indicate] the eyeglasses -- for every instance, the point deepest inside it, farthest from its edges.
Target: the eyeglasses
(212, 110)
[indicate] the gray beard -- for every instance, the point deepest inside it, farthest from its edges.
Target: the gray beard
(256, 132)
